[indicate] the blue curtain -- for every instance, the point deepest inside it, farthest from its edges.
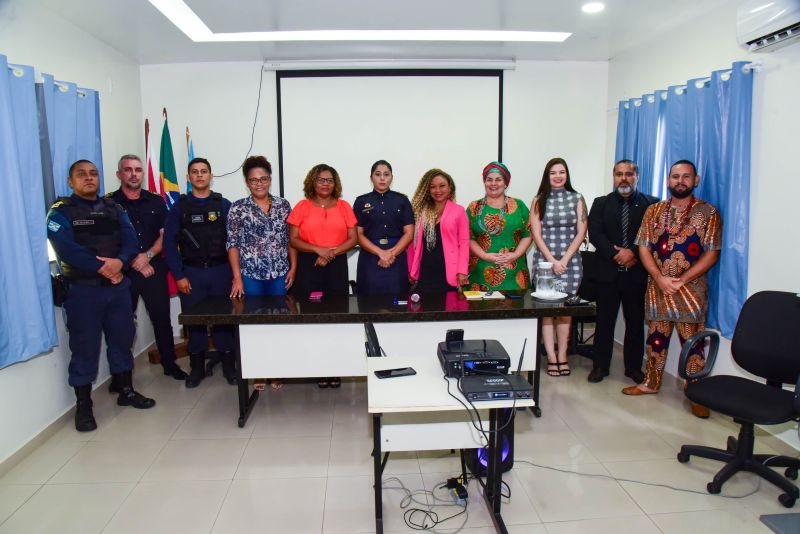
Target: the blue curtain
(708, 122)
(639, 123)
(73, 126)
(27, 322)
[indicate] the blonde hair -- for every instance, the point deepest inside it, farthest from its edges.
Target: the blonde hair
(425, 208)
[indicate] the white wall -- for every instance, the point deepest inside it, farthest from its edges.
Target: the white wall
(35, 393)
(710, 44)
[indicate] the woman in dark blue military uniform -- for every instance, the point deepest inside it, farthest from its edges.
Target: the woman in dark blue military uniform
(385, 229)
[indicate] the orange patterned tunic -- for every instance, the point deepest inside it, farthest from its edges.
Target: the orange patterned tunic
(677, 239)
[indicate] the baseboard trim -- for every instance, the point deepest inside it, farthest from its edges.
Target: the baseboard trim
(47, 432)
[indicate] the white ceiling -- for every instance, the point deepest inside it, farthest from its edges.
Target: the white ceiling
(138, 30)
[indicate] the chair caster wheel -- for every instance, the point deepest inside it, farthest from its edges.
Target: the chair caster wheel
(683, 458)
(732, 444)
(713, 488)
(786, 500)
(791, 473)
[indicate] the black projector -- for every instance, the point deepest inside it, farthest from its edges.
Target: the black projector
(473, 357)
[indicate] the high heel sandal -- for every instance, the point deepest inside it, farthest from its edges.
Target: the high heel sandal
(553, 372)
(564, 372)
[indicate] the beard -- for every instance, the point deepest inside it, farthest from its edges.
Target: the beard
(625, 189)
(681, 194)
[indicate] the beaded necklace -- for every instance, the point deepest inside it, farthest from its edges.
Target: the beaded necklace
(682, 221)
(500, 221)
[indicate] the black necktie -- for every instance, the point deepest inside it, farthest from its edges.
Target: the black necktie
(626, 222)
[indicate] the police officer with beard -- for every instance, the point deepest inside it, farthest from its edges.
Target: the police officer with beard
(194, 244)
(94, 242)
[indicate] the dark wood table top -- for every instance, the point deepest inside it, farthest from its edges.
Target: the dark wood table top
(375, 308)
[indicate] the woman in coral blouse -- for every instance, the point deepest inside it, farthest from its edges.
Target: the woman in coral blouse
(322, 228)
(438, 257)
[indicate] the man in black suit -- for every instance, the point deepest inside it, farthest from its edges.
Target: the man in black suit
(613, 223)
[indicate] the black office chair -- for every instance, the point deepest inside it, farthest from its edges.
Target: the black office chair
(764, 344)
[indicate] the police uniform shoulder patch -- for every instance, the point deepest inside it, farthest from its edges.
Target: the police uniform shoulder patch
(53, 226)
(61, 201)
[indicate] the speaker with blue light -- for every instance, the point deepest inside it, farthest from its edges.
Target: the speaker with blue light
(477, 459)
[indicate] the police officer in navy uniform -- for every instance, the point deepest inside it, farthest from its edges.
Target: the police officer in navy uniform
(385, 229)
(148, 272)
(194, 244)
(94, 242)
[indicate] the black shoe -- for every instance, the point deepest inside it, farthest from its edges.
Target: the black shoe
(175, 371)
(130, 397)
(197, 369)
(84, 417)
(597, 374)
(229, 368)
(636, 375)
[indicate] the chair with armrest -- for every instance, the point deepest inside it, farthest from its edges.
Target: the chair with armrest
(764, 344)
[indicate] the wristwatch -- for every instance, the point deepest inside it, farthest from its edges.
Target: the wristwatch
(149, 254)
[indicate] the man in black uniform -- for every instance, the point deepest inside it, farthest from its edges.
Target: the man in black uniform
(614, 221)
(148, 272)
(194, 244)
(94, 242)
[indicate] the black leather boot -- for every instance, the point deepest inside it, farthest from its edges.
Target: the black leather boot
(84, 418)
(198, 369)
(113, 387)
(128, 396)
(229, 368)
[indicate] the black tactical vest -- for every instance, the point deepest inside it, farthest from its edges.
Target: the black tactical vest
(202, 236)
(95, 227)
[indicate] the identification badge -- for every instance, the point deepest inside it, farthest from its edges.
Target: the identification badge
(83, 222)
(212, 216)
(197, 219)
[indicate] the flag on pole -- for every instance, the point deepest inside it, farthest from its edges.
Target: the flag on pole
(166, 167)
(190, 148)
(148, 152)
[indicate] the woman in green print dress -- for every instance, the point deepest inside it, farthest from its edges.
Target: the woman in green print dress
(499, 235)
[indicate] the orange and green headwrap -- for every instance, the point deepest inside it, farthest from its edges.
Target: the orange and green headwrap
(499, 167)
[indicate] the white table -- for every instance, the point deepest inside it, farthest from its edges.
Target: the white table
(417, 413)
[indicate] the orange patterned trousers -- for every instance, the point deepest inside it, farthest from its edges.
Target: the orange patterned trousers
(658, 335)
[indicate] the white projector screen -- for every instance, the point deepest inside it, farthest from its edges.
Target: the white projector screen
(416, 121)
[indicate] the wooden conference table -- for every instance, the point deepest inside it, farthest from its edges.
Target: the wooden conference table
(284, 337)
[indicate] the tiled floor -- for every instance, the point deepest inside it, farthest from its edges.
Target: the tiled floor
(302, 465)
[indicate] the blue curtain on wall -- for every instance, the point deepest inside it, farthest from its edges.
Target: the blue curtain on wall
(73, 125)
(27, 322)
(639, 123)
(708, 122)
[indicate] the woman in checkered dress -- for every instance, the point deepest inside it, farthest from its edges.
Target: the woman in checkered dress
(558, 224)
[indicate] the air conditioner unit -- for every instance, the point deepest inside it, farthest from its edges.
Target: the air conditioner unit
(766, 25)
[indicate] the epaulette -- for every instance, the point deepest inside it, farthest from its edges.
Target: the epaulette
(65, 201)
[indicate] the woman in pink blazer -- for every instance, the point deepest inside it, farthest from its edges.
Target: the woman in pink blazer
(438, 257)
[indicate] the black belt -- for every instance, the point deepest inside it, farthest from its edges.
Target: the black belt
(90, 282)
(205, 264)
(387, 240)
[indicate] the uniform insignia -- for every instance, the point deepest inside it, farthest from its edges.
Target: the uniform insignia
(212, 216)
(53, 226)
(367, 205)
(83, 222)
(197, 219)
(57, 204)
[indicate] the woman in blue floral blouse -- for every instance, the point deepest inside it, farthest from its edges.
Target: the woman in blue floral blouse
(258, 238)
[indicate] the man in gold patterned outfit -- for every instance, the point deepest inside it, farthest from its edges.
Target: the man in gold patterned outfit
(679, 241)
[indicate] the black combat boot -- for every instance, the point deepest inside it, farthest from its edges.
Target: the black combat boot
(113, 387)
(128, 396)
(198, 369)
(84, 418)
(229, 368)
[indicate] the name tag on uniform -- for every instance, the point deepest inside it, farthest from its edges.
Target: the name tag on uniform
(83, 222)
(197, 218)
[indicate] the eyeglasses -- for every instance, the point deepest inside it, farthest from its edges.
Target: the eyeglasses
(259, 180)
(325, 180)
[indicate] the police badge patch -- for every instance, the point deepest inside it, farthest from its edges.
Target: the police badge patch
(212, 216)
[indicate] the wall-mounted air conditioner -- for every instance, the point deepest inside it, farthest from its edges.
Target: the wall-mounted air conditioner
(766, 25)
